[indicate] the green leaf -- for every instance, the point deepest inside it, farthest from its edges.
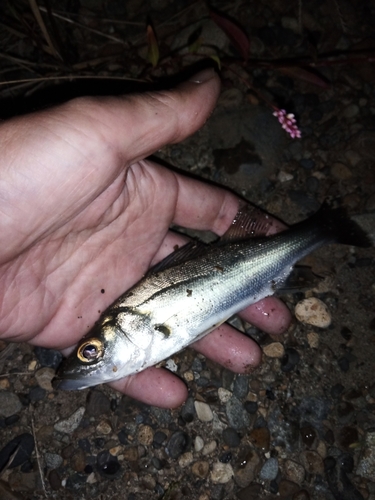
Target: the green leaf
(153, 48)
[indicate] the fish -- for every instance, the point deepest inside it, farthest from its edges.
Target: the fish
(197, 288)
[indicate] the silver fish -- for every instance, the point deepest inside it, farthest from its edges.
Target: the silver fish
(194, 290)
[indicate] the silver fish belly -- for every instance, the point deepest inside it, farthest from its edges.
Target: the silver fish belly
(192, 292)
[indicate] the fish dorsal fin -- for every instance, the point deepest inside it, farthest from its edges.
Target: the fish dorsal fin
(249, 222)
(183, 254)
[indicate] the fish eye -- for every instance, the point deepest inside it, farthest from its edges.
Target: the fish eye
(90, 351)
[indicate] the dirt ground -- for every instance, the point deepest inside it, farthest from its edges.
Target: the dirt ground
(302, 426)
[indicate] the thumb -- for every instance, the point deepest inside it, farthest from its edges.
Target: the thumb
(137, 125)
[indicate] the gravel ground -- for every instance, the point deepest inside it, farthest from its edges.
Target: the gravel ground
(302, 426)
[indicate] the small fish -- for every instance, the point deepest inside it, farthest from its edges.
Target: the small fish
(197, 288)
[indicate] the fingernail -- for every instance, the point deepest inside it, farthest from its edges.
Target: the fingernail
(202, 76)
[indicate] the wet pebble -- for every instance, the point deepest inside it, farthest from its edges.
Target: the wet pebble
(97, 404)
(71, 423)
(159, 439)
(269, 470)
(53, 460)
(249, 467)
(340, 171)
(9, 404)
(198, 444)
(44, 378)
(104, 427)
(203, 410)
(240, 386)
(177, 444)
(200, 469)
(274, 350)
(186, 459)
(287, 488)
(307, 163)
(108, 465)
(231, 437)
(366, 465)
(145, 435)
(78, 460)
(238, 418)
(130, 454)
(224, 394)
(290, 360)
(313, 312)
(221, 473)
(48, 357)
(37, 394)
(260, 437)
(312, 462)
(188, 410)
(251, 492)
(209, 447)
(294, 471)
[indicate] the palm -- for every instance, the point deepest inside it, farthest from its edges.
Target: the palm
(83, 216)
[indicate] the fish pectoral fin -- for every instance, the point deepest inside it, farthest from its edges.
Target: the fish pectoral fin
(187, 252)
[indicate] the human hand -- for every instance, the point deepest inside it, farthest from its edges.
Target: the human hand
(82, 212)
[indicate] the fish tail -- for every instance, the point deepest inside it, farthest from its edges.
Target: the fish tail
(334, 225)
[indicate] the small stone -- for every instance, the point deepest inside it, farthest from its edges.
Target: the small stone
(351, 111)
(221, 473)
(198, 444)
(224, 395)
(261, 438)
(287, 488)
(54, 480)
(116, 450)
(130, 454)
(269, 470)
(171, 365)
(209, 447)
(251, 492)
(78, 460)
(248, 470)
(48, 357)
(71, 423)
(200, 469)
(284, 176)
(53, 460)
(294, 471)
(177, 444)
(32, 365)
(204, 412)
(189, 376)
(44, 378)
(145, 435)
(290, 360)
(185, 459)
(148, 482)
(312, 462)
(340, 171)
(313, 340)
(104, 428)
(231, 437)
(313, 312)
(9, 404)
(274, 350)
(4, 384)
(238, 418)
(97, 403)
(241, 386)
(366, 465)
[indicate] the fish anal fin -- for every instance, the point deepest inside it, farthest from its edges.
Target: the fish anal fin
(249, 222)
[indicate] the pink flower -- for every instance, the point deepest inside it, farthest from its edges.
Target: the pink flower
(288, 122)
